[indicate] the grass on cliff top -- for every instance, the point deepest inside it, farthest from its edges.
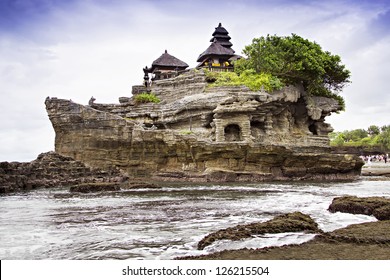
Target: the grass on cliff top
(254, 81)
(146, 97)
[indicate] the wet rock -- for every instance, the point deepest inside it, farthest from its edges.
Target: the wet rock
(366, 241)
(292, 222)
(382, 213)
(140, 185)
(377, 206)
(372, 232)
(95, 187)
(52, 170)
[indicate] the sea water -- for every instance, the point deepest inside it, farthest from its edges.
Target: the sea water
(164, 223)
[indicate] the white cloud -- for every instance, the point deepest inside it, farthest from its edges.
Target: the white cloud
(93, 48)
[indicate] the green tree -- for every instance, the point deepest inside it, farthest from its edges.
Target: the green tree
(363, 138)
(296, 60)
(337, 138)
(384, 139)
(373, 130)
(385, 128)
(355, 135)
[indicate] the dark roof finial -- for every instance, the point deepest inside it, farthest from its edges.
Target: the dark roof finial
(220, 45)
(166, 51)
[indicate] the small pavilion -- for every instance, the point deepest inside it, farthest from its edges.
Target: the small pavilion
(219, 55)
(164, 67)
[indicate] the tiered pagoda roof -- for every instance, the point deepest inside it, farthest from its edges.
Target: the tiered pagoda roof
(221, 36)
(220, 45)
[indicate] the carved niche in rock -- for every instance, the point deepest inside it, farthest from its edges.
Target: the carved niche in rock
(232, 128)
(232, 133)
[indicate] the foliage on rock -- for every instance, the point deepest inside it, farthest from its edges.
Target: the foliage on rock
(296, 60)
(146, 97)
(254, 81)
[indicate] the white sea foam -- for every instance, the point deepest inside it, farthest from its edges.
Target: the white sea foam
(163, 223)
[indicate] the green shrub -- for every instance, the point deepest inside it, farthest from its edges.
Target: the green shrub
(146, 98)
(186, 132)
(254, 81)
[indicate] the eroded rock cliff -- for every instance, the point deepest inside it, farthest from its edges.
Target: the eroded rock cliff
(203, 133)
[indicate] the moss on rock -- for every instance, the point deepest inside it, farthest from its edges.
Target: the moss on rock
(377, 206)
(291, 222)
(367, 241)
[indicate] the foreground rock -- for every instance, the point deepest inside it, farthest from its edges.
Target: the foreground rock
(52, 170)
(140, 185)
(200, 133)
(379, 207)
(368, 241)
(292, 222)
(111, 186)
(95, 187)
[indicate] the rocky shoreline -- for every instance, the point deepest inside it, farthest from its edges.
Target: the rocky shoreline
(291, 222)
(364, 241)
(359, 241)
(51, 170)
(376, 169)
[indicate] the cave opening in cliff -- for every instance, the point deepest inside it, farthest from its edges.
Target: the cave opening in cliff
(313, 129)
(257, 128)
(232, 133)
(207, 120)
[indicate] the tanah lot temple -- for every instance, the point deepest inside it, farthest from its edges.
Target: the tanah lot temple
(219, 56)
(199, 132)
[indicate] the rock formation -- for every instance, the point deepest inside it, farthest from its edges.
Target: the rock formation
(51, 170)
(366, 241)
(202, 133)
(379, 207)
(291, 222)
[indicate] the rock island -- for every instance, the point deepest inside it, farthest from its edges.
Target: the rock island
(193, 131)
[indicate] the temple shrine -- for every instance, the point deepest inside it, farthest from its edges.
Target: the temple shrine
(219, 56)
(164, 67)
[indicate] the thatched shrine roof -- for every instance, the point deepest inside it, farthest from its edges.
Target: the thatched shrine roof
(216, 49)
(167, 60)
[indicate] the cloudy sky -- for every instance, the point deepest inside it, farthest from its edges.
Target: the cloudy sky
(76, 49)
